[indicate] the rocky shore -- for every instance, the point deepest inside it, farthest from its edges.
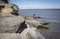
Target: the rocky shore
(10, 21)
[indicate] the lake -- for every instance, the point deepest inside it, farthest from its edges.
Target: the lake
(49, 15)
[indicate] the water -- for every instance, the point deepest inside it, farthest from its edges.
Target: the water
(52, 16)
(48, 15)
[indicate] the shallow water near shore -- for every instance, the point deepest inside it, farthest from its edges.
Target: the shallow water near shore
(49, 15)
(53, 32)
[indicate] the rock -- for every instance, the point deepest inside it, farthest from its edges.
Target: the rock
(6, 1)
(10, 8)
(9, 20)
(10, 23)
(10, 36)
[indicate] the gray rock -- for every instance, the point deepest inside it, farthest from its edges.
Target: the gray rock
(9, 23)
(10, 36)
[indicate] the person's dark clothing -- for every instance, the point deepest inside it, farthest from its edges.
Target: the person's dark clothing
(21, 27)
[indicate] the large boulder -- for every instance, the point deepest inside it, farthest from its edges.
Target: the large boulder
(10, 8)
(9, 20)
(10, 23)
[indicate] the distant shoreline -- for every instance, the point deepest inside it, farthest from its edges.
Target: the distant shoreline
(48, 9)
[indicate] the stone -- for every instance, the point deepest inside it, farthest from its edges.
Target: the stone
(10, 8)
(10, 36)
(10, 23)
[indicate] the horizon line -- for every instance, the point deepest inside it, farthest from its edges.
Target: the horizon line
(39, 8)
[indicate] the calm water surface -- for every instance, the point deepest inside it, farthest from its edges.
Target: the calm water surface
(47, 15)
(51, 16)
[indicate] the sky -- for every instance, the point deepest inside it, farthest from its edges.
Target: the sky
(37, 4)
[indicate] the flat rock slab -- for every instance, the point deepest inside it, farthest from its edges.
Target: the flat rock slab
(10, 23)
(10, 36)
